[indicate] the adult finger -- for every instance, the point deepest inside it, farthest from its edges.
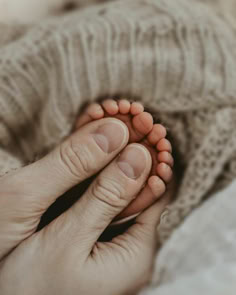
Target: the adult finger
(82, 155)
(112, 190)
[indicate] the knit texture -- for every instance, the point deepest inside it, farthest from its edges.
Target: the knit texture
(179, 61)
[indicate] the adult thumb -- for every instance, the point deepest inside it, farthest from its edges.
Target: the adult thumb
(80, 156)
(27, 193)
(112, 190)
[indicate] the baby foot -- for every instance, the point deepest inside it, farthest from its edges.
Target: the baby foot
(160, 176)
(139, 123)
(143, 131)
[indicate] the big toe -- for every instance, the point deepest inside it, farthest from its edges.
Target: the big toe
(143, 123)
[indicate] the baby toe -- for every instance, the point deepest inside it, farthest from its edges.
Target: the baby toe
(164, 145)
(124, 106)
(143, 123)
(93, 112)
(166, 157)
(136, 108)
(165, 172)
(110, 106)
(157, 186)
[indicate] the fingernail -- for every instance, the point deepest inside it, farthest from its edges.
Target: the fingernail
(109, 137)
(124, 220)
(132, 161)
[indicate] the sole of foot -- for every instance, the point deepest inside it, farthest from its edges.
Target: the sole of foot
(141, 130)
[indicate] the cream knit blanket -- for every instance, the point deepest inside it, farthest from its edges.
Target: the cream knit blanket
(177, 57)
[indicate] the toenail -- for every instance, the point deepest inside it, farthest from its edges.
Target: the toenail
(109, 137)
(132, 161)
(165, 171)
(157, 186)
(165, 167)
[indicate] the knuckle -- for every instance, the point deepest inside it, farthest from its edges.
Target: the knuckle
(110, 192)
(77, 158)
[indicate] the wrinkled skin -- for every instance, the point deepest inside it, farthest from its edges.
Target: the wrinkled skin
(66, 257)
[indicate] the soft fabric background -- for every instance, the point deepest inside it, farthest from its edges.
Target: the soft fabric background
(33, 11)
(178, 58)
(200, 257)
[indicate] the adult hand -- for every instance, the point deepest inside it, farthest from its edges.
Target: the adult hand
(66, 257)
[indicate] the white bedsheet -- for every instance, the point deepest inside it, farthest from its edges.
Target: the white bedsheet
(200, 257)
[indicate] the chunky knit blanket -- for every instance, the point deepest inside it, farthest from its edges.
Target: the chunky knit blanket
(177, 57)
